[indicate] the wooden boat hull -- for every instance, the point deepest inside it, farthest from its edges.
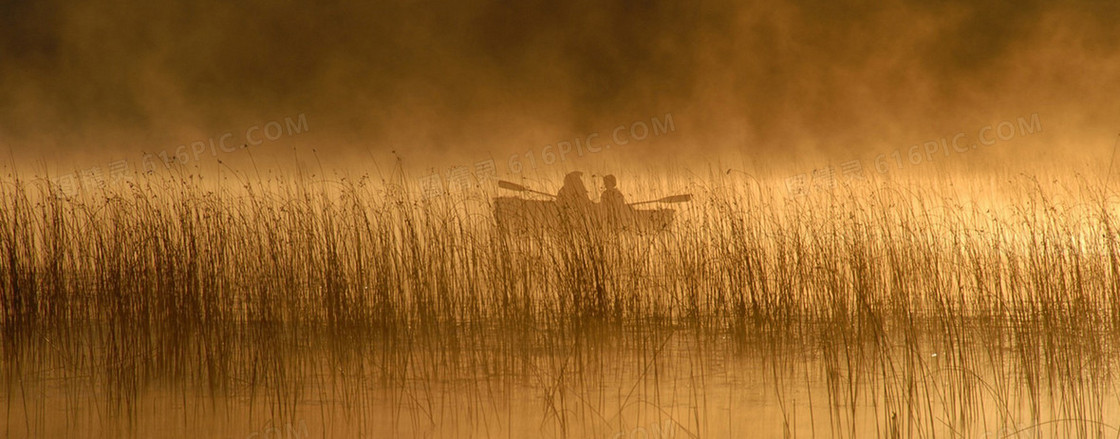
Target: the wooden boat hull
(519, 215)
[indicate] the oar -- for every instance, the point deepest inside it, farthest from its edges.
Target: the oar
(516, 187)
(683, 198)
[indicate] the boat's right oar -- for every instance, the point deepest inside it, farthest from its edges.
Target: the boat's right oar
(683, 198)
(516, 187)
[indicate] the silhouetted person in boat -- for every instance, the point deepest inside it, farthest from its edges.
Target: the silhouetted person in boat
(612, 202)
(572, 199)
(611, 198)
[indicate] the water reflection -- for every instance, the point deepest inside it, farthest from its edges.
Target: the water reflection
(601, 381)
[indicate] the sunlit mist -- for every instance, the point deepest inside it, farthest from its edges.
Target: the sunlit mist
(617, 219)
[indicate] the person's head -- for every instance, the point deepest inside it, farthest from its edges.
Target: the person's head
(573, 179)
(609, 181)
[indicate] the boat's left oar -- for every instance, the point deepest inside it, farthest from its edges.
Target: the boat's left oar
(683, 198)
(516, 187)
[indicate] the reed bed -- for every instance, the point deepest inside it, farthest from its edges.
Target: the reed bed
(920, 310)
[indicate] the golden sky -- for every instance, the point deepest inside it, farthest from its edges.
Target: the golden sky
(452, 82)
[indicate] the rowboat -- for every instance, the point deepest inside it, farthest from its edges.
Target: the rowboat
(520, 215)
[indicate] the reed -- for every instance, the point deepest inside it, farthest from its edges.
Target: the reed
(268, 287)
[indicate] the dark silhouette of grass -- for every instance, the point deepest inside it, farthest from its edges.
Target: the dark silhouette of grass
(266, 288)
